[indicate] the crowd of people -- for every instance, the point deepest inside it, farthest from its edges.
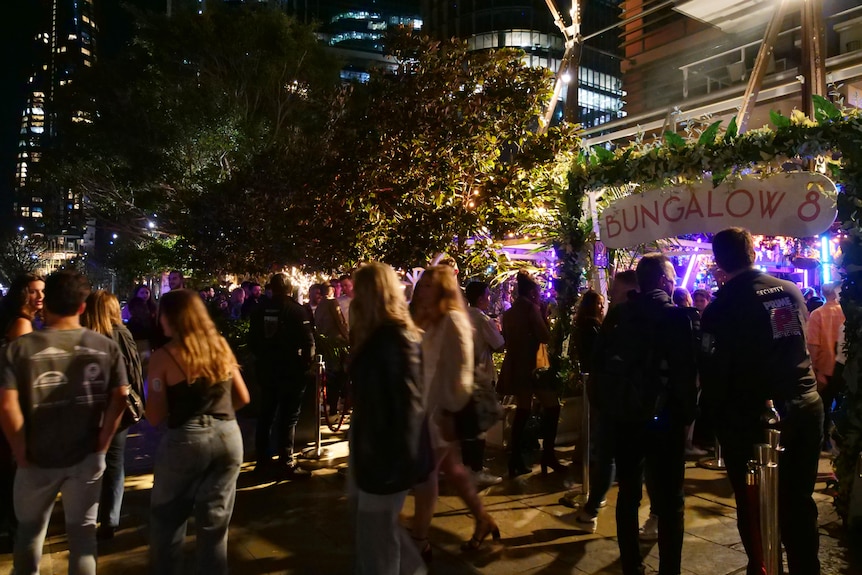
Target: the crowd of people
(424, 390)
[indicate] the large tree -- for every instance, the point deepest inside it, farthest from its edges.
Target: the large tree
(231, 130)
(161, 138)
(442, 154)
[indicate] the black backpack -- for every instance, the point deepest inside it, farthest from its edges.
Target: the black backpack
(628, 362)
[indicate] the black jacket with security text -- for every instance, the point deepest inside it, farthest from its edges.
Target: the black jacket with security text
(753, 346)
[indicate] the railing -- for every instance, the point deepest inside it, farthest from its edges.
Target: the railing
(729, 67)
(733, 66)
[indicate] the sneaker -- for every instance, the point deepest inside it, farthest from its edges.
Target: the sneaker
(485, 479)
(694, 451)
(586, 521)
(649, 531)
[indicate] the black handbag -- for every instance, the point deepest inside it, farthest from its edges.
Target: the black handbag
(482, 411)
(134, 411)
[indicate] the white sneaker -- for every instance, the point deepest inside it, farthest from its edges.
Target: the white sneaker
(485, 479)
(587, 522)
(649, 531)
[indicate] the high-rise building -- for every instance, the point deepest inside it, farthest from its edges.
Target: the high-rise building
(691, 60)
(63, 43)
(354, 30)
(529, 25)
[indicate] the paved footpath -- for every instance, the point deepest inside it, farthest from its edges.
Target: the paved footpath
(303, 527)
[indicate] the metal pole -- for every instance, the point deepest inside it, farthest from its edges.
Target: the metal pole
(767, 459)
(716, 463)
(585, 434)
(318, 377)
(752, 90)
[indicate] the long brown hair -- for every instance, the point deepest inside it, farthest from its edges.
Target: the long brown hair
(378, 299)
(102, 312)
(589, 308)
(202, 350)
(443, 296)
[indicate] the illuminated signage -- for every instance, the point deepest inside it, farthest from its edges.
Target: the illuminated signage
(799, 204)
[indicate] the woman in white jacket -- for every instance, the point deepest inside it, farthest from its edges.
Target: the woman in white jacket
(447, 370)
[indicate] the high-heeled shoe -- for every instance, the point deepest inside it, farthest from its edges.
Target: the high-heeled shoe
(484, 527)
(424, 550)
(549, 459)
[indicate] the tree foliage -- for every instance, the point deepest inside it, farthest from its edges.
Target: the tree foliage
(442, 154)
(231, 131)
(20, 255)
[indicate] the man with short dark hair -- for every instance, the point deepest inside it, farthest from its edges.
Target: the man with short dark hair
(754, 357)
(345, 298)
(176, 280)
(62, 394)
(701, 299)
(281, 338)
(252, 300)
(646, 385)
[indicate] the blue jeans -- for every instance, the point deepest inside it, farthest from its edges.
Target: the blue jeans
(113, 481)
(196, 469)
(383, 546)
(36, 488)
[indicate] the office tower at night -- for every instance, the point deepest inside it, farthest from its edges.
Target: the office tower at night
(64, 43)
(529, 25)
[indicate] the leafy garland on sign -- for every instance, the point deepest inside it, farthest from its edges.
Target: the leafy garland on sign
(833, 137)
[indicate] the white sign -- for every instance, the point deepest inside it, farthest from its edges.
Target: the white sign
(798, 204)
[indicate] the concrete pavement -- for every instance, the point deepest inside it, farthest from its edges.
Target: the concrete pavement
(303, 527)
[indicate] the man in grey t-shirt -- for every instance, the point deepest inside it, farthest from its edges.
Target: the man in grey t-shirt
(62, 394)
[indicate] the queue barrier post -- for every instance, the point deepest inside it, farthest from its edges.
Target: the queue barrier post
(585, 441)
(767, 478)
(316, 451)
(715, 463)
(572, 498)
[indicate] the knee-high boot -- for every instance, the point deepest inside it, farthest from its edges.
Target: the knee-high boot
(516, 444)
(550, 421)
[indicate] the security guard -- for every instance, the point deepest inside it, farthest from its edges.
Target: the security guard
(753, 352)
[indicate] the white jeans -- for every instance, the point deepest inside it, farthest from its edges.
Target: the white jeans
(35, 490)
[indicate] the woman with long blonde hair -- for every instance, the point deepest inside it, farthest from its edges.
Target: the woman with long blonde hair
(386, 428)
(193, 384)
(447, 369)
(103, 316)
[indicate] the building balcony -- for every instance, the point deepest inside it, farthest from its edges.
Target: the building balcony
(672, 85)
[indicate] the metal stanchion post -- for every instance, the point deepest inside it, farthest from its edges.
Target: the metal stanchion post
(715, 463)
(317, 452)
(767, 459)
(585, 436)
(572, 498)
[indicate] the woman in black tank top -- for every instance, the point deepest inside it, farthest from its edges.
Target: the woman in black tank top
(193, 384)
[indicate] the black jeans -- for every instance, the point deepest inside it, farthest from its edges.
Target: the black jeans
(281, 401)
(638, 445)
(602, 466)
(801, 434)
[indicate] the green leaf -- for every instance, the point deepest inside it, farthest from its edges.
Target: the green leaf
(707, 138)
(732, 130)
(824, 110)
(673, 139)
(603, 154)
(718, 177)
(778, 119)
